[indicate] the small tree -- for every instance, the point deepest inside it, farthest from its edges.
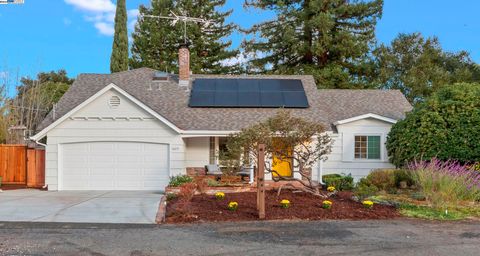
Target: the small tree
(295, 140)
(119, 57)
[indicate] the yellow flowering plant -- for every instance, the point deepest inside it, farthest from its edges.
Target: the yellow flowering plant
(220, 195)
(367, 204)
(331, 189)
(327, 204)
(232, 206)
(285, 203)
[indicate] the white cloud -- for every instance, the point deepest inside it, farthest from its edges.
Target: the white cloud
(241, 59)
(93, 5)
(105, 28)
(102, 14)
(132, 16)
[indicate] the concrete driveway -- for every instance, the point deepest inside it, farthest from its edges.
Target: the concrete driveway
(79, 206)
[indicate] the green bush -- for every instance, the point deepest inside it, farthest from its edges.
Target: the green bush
(364, 189)
(445, 126)
(382, 179)
(340, 182)
(176, 181)
(403, 175)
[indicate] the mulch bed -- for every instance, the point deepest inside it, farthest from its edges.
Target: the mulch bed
(303, 206)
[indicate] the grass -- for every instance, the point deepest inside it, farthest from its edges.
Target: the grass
(409, 207)
(426, 212)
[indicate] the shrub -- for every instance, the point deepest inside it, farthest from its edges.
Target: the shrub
(364, 189)
(232, 206)
(176, 181)
(220, 195)
(187, 191)
(474, 167)
(445, 126)
(202, 185)
(213, 183)
(403, 175)
(285, 203)
(446, 183)
(382, 179)
(367, 204)
(340, 182)
(327, 204)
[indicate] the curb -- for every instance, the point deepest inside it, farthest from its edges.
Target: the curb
(162, 210)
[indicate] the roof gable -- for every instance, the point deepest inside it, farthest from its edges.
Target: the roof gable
(80, 107)
(366, 116)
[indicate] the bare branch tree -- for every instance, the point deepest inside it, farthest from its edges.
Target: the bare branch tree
(298, 142)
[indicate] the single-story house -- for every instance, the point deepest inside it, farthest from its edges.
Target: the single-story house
(132, 130)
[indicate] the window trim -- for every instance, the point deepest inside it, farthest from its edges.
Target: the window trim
(382, 142)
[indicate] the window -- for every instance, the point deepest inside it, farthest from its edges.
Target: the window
(367, 147)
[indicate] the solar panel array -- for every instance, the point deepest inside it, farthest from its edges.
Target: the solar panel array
(248, 93)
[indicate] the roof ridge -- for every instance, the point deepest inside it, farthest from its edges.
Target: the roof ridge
(118, 73)
(361, 90)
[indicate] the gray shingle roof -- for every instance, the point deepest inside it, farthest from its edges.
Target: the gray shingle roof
(171, 101)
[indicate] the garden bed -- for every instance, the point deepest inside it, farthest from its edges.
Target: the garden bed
(303, 206)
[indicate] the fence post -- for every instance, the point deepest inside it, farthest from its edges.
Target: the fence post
(261, 181)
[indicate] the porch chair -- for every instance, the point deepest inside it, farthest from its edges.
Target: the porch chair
(245, 172)
(214, 169)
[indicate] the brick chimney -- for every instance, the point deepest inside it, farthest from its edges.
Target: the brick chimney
(184, 65)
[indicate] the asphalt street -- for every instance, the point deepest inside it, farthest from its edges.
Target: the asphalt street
(389, 237)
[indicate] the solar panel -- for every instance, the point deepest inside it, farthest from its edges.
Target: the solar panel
(249, 93)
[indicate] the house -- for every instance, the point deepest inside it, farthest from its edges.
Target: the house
(132, 130)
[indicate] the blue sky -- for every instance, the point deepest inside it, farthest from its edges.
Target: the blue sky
(43, 35)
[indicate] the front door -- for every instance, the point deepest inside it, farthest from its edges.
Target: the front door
(282, 162)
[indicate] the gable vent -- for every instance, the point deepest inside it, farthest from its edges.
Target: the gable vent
(114, 102)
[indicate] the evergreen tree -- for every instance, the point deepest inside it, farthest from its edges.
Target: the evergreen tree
(419, 66)
(329, 39)
(156, 41)
(119, 57)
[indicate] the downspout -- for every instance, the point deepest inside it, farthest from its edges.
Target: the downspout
(45, 145)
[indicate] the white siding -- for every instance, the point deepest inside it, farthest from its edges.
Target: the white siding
(197, 152)
(131, 124)
(341, 159)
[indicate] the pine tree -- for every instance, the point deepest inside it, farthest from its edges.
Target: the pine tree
(156, 41)
(119, 57)
(329, 39)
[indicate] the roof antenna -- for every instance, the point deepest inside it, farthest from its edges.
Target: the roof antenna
(176, 18)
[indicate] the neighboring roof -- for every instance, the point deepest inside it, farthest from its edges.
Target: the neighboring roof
(170, 101)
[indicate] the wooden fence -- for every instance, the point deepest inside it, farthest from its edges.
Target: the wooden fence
(20, 165)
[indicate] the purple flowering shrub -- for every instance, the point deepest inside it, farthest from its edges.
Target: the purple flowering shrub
(446, 183)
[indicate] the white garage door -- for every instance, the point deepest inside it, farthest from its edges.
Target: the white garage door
(114, 166)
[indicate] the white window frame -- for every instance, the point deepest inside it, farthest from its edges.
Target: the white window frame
(382, 142)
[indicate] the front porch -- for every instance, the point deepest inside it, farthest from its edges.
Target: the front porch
(203, 151)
